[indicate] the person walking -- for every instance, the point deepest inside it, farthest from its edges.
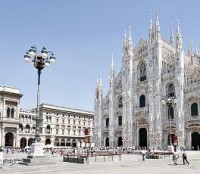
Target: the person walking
(175, 157)
(143, 152)
(184, 156)
(1, 158)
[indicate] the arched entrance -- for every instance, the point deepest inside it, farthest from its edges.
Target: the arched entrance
(195, 140)
(120, 143)
(107, 142)
(23, 142)
(30, 141)
(9, 137)
(143, 137)
(47, 141)
(62, 143)
(68, 142)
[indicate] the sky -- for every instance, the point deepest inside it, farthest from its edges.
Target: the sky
(82, 34)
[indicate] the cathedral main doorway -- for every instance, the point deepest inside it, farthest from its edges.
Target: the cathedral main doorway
(195, 140)
(107, 142)
(120, 143)
(143, 138)
(171, 136)
(9, 137)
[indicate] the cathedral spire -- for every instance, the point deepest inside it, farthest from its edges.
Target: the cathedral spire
(97, 83)
(130, 44)
(100, 82)
(112, 63)
(130, 38)
(172, 36)
(190, 50)
(125, 42)
(151, 32)
(157, 28)
(112, 72)
(179, 43)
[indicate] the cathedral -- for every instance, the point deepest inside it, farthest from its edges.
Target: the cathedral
(154, 100)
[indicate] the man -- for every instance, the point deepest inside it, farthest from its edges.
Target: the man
(143, 152)
(184, 156)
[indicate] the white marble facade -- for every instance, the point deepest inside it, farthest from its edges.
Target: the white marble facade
(132, 113)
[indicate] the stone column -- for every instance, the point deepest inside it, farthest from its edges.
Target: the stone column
(3, 137)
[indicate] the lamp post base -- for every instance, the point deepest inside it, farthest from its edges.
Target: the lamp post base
(37, 149)
(37, 156)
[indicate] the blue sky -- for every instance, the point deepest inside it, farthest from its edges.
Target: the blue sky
(82, 34)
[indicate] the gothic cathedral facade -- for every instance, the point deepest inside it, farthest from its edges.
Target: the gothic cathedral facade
(154, 101)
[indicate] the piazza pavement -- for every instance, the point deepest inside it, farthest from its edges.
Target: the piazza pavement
(130, 164)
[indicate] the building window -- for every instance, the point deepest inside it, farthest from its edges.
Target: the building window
(63, 121)
(120, 102)
(68, 121)
(74, 132)
(142, 72)
(194, 109)
(57, 120)
(74, 122)
(8, 112)
(107, 122)
(170, 90)
(120, 120)
(12, 112)
(142, 101)
(63, 132)
(56, 131)
(170, 112)
(48, 129)
(68, 132)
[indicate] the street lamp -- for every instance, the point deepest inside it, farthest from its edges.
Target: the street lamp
(40, 61)
(169, 101)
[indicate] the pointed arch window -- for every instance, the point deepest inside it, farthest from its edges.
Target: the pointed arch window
(194, 109)
(120, 120)
(142, 101)
(170, 112)
(120, 102)
(143, 72)
(107, 122)
(170, 90)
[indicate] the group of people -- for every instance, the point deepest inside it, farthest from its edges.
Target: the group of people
(184, 157)
(175, 156)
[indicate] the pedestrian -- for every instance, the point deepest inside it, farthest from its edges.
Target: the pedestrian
(143, 154)
(184, 156)
(1, 158)
(175, 157)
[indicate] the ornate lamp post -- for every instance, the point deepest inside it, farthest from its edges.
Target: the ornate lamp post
(169, 101)
(40, 61)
